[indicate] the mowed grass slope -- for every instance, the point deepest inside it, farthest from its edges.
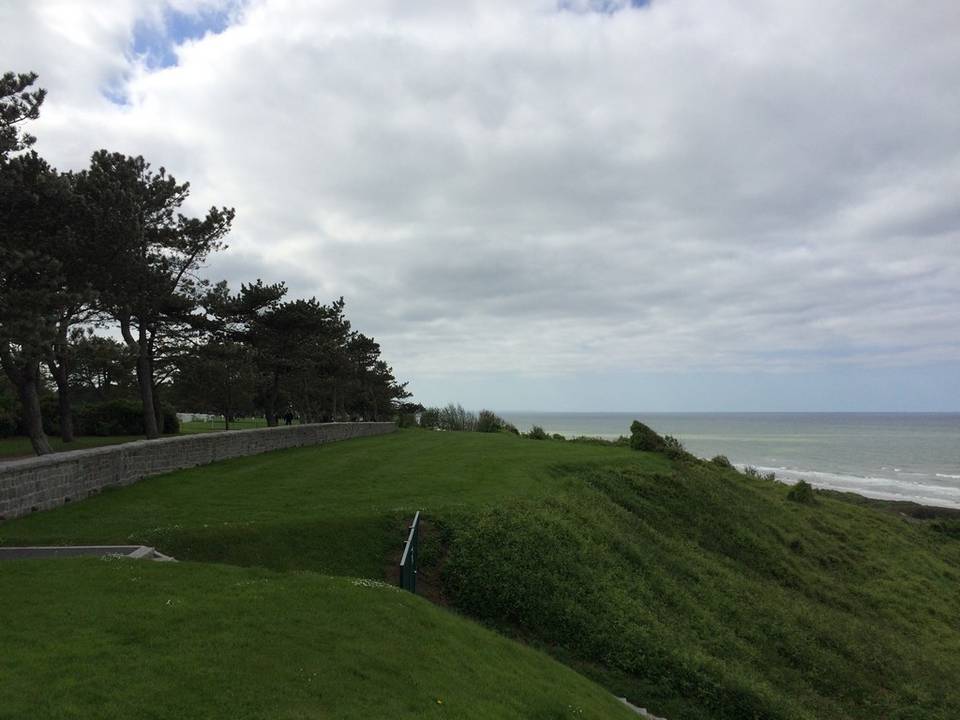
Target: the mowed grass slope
(338, 508)
(119, 639)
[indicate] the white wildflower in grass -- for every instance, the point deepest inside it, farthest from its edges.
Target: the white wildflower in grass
(366, 582)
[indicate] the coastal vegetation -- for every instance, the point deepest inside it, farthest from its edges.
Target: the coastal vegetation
(109, 249)
(690, 588)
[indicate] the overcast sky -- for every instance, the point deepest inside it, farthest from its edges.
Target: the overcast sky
(575, 205)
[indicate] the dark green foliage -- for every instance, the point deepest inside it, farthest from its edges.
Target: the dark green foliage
(430, 418)
(622, 441)
(558, 436)
(406, 420)
(803, 493)
(721, 461)
(950, 528)
(17, 103)
(537, 433)
(8, 409)
(488, 421)
(511, 428)
(148, 257)
(407, 414)
(644, 438)
(118, 417)
(454, 417)
(673, 444)
(692, 594)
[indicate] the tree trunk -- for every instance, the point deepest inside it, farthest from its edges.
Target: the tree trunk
(144, 375)
(157, 406)
(66, 412)
(228, 409)
(271, 405)
(25, 378)
(30, 399)
(57, 363)
(145, 381)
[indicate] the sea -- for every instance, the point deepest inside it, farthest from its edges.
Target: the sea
(889, 456)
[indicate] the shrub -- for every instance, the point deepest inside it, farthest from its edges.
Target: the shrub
(558, 436)
(406, 420)
(721, 461)
(489, 422)
(537, 433)
(454, 417)
(622, 441)
(430, 417)
(171, 423)
(511, 428)
(643, 437)
(115, 417)
(673, 444)
(120, 417)
(802, 492)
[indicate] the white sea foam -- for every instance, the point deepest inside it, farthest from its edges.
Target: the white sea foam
(881, 488)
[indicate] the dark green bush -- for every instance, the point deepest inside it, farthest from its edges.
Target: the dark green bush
(802, 492)
(622, 441)
(488, 421)
(511, 428)
(537, 433)
(119, 417)
(948, 527)
(430, 417)
(643, 437)
(115, 417)
(406, 420)
(673, 443)
(454, 417)
(721, 461)
(9, 411)
(558, 436)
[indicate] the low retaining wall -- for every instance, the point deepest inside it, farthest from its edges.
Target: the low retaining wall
(46, 482)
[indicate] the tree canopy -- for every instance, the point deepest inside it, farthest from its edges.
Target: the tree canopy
(109, 247)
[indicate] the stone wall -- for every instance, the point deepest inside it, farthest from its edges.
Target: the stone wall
(46, 482)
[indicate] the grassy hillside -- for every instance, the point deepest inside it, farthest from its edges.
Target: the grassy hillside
(710, 595)
(125, 639)
(693, 590)
(338, 508)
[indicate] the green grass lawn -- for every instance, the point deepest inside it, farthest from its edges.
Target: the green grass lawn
(336, 509)
(195, 426)
(126, 639)
(689, 588)
(19, 447)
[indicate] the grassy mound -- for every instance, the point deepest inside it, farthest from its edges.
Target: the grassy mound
(710, 595)
(127, 639)
(336, 509)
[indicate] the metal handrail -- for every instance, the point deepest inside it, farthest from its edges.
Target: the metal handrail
(408, 560)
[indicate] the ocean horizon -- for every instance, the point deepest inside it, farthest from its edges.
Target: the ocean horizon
(913, 456)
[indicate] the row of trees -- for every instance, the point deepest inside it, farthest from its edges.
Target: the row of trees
(108, 247)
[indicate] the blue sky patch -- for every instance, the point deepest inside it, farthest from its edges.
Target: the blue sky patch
(605, 7)
(157, 44)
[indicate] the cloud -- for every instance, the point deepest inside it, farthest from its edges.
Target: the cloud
(549, 187)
